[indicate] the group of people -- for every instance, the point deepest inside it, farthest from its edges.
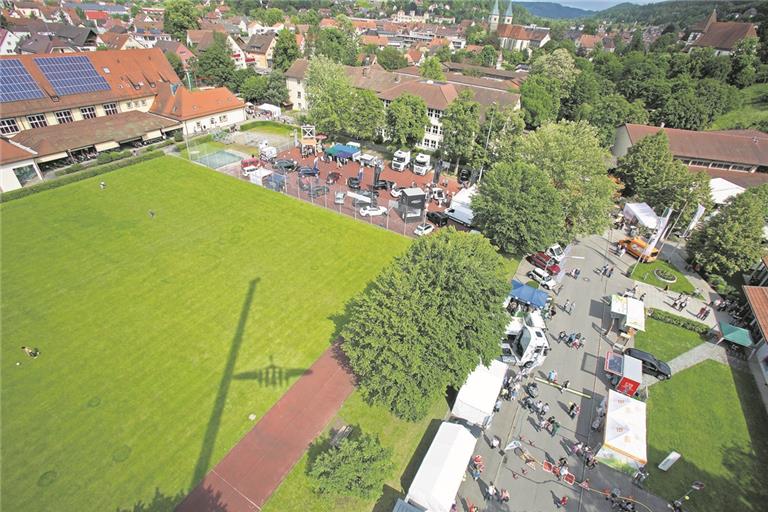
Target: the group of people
(606, 270)
(703, 313)
(680, 303)
(491, 493)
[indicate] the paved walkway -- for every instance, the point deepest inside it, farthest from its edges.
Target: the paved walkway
(248, 475)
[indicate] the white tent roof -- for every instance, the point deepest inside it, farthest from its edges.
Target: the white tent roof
(268, 107)
(625, 427)
(464, 197)
(436, 483)
(479, 393)
(722, 190)
(632, 310)
(643, 213)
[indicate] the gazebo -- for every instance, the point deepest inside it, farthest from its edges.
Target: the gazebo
(736, 335)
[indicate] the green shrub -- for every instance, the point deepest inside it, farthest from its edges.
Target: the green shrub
(69, 170)
(71, 178)
(722, 287)
(178, 136)
(669, 318)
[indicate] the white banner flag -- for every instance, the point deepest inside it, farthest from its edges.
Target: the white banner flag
(695, 220)
(661, 227)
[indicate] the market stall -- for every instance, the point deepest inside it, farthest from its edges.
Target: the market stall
(527, 295)
(442, 470)
(738, 338)
(477, 396)
(642, 214)
(624, 441)
(629, 312)
(624, 372)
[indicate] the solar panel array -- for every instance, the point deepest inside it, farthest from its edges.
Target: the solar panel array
(15, 83)
(71, 75)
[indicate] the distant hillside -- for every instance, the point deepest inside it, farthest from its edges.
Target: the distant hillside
(683, 13)
(554, 11)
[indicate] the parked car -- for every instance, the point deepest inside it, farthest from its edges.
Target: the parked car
(544, 261)
(286, 165)
(438, 195)
(439, 219)
(353, 183)
(651, 365)
(542, 277)
(424, 229)
(636, 246)
(339, 197)
(556, 252)
(318, 191)
(383, 185)
(373, 211)
(309, 171)
(332, 177)
(396, 191)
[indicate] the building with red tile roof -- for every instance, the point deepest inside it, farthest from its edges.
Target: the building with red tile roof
(723, 36)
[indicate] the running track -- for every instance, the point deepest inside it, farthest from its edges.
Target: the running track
(254, 468)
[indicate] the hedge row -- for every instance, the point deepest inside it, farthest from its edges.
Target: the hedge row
(71, 178)
(669, 318)
(252, 124)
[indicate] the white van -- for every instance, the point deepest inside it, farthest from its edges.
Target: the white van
(529, 349)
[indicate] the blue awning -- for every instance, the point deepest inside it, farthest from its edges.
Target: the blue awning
(528, 295)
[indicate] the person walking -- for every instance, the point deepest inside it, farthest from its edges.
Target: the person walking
(565, 386)
(642, 297)
(700, 314)
(706, 314)
(552, 376)
(490, 492)
(578, 448)
(555, 427)
(567, 305)
(610, 271)
(538, 406)
(570, 307)
(683, 304)
(544, 409)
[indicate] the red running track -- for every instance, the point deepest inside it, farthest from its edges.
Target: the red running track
(255, 467)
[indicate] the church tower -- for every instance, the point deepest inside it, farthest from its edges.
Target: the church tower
(493, 19)
(508, 14)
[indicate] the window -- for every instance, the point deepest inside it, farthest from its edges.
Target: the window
(37, 120)
(130, 104)
(25, 174)
(64, 116)
(8, 126)
(223, 118)
(143, 103)
(298, 94)
(88, 112)
(213, 120)
(110, 109)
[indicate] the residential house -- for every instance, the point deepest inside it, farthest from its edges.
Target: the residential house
(181, 51)
(259, 49)
(201, 40)
(380, 42)
(78, 38)
(63, 105)
(738, 156)
(757, 318)
(8, 42)
(150, 32)
(414, 57)
(256, 27)
(723, 36)
(116, 41)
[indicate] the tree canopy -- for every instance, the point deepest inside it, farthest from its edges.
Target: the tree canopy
(461, 124)
(215, 65)
(391, 58)
(358, 466)
(337, 45)
(540, 100)
(571, 154)
(431, 69)
(731, 241)
(407, 120)
(329, 94)
(265, 89)
(518, 208)
(369, 117)
(180, 16)
(286, 50)
(426, 321)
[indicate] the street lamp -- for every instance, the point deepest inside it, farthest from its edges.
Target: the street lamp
(677, 505)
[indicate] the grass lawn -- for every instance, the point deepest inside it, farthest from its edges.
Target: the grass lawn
(644, 273)
(409, 442)
(510, 265)
(713, 416)
(159, 336)
(203, 148)
(666, 341)
(755, 109)
(272, 128)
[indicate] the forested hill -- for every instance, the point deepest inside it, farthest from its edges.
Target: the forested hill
(682, 13)
(554, 11)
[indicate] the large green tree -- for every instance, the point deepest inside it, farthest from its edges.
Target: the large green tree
(432, 69)
(329, 94)
(559, 66)
(540, 100)
(731, 241)
(369, 117)
(180, 16)
(358, 466)
(407, 120)
(488, 56)
(744, 63)
(608, 112)
(286, 50)
(518, 208)
(337, 45)
(576, 162)
(214, 65)
(426, 321)
(175, 62)
(391, 58)
(498, 135)
(461, 124)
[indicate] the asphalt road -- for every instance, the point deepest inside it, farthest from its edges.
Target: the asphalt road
(539, 490)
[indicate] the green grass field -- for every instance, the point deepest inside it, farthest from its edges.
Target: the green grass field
(713, 416)
(755, 109)
(159, 336)
(666, 341)
(645, 274)
(272, 128)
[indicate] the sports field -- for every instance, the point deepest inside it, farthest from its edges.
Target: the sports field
(160, 335)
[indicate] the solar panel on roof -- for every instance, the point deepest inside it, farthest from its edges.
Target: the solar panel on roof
(71, 75)
(16, 84)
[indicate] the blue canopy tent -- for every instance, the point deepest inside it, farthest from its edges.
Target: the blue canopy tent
(528, 295)
(341, 151)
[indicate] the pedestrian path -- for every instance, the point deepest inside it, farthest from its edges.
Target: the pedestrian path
(248, 475)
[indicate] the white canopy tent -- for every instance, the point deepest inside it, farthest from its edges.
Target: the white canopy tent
(441, 472)
(722, 190)
(272, 109)
(477, 396)
(624, 443)
(629, 311)
(642, 213)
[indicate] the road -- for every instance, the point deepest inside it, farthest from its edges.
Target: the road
(538, 490)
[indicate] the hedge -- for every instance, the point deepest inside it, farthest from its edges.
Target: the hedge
(669, 318)
(111, 156)
(71, 178)
(251, 124)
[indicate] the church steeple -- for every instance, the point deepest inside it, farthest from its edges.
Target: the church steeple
(508, 14)
(493, 19)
